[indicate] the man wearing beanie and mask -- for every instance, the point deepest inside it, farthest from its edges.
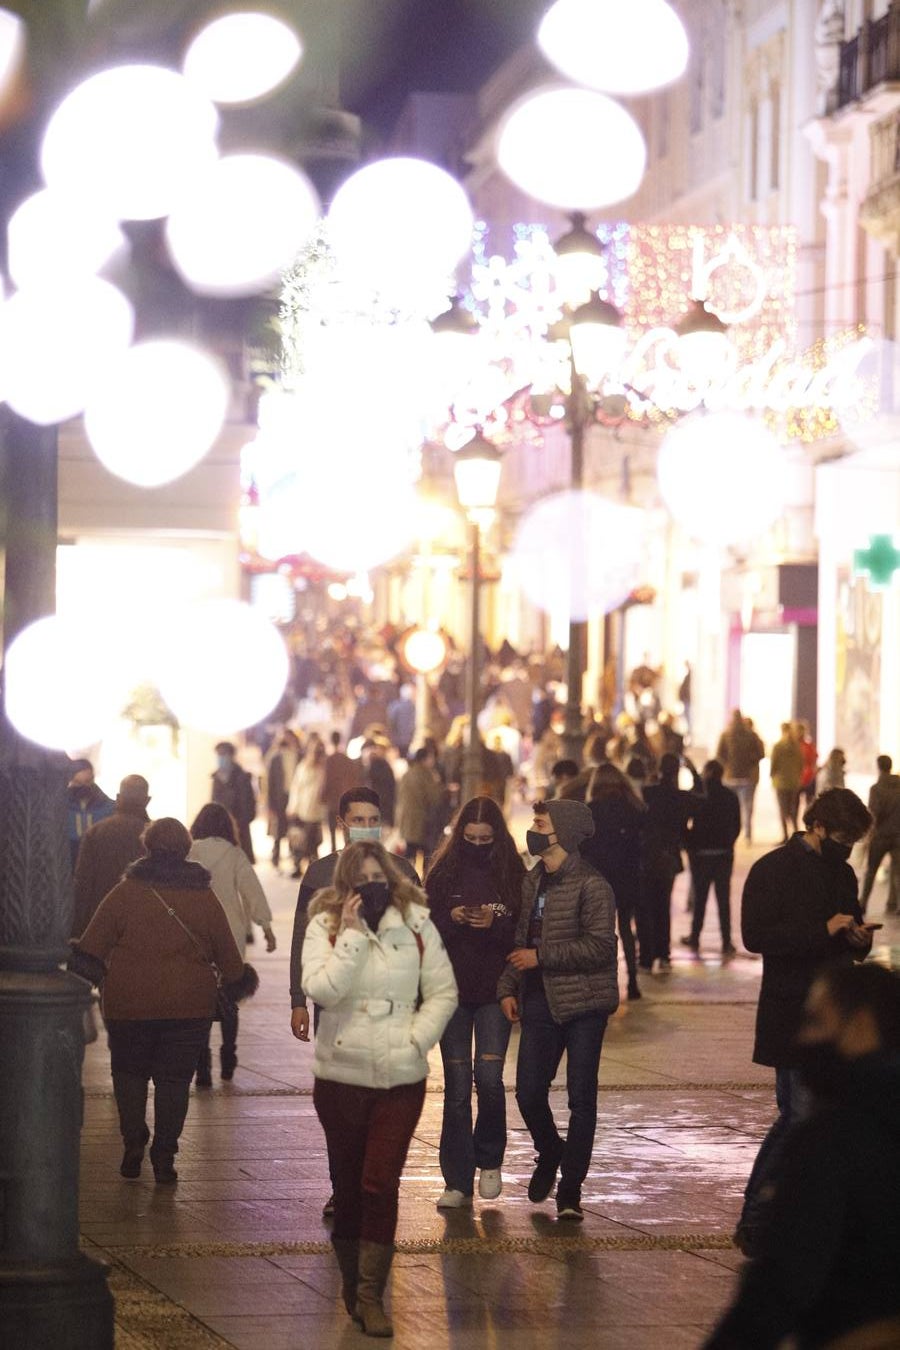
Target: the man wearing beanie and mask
(561, 983)
(800, 910)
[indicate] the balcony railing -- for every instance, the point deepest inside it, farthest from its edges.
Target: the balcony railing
(871, 58)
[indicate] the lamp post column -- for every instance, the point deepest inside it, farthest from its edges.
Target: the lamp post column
(576, 421)
(471, 774)
(50, 1293)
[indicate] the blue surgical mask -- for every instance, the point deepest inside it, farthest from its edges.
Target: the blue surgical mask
(223, 762)
(361, 834)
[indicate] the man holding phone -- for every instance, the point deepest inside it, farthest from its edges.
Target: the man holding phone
(801, 911)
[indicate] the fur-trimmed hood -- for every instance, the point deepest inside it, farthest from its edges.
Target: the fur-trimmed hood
(167, 870)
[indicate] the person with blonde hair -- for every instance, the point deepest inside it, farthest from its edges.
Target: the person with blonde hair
(375, 963)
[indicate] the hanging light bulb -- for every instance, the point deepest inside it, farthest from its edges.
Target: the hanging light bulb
(580, 261)
(620, 46)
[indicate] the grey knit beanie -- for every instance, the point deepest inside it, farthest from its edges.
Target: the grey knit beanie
(572, 822)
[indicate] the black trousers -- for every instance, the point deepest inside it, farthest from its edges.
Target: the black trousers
(166, 1050)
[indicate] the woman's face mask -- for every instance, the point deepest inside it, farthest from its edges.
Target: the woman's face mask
(477, 854)
(833, 852)
(376, 896)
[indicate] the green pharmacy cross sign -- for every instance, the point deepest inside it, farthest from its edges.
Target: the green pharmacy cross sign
(880, 562)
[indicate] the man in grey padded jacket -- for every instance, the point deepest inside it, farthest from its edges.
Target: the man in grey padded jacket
(561, 983)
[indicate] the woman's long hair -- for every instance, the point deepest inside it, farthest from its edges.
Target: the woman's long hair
(213, 821)
(348, 876)
(506, 867)
(608, 781)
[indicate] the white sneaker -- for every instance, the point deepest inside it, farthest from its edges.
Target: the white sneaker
(490, 1183)
(453, 1200)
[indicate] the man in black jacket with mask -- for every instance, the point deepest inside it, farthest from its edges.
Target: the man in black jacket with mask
(800, 910)
(826, 1270)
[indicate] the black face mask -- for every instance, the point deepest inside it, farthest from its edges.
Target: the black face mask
(833, 852)
(823, 1069)
(376, 897)
(478, 855)
(537, 843)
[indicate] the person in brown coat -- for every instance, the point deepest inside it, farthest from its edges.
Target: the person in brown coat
(156, 934)
(108, 847)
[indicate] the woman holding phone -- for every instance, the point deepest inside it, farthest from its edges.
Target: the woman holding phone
(375, 964)
(474, 888)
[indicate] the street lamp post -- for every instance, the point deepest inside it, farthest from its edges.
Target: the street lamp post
(476, 469)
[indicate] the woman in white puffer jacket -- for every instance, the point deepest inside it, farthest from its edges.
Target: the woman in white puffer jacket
(376, 965)
(240, 893)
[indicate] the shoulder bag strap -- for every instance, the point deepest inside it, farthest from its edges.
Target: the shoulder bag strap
(193, 937)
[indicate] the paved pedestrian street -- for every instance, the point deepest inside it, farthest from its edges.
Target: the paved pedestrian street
(238, 1254)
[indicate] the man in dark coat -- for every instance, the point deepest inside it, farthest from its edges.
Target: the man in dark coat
(800, 910)
(669, 809)
(710, 838)
(108, 848)
(826, 1272)
(232, 787)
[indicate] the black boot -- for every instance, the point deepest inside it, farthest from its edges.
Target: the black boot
(131, 1100)
(228, 1060)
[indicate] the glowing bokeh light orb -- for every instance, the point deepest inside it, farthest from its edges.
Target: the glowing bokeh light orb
(242, 56)
(51, 234)
(864, 391)
(131, 139)
(572, 148)
(241, 224)
(12, 47)
(399, 221)
(52, 697)
(620, 48)
(225, 666)
(424, 651)
(57, 341)
(158, 412)
(578, 553)
(722, 476)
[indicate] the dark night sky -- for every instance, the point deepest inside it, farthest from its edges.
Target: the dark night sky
(395, 47)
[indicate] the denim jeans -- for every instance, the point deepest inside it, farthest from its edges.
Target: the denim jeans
(746, 791)
(541, 1048)
(794, 1101)
(462, 1148)
(712, 869)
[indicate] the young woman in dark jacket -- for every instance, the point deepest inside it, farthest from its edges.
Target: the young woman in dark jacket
(614, 848)
(474, 888)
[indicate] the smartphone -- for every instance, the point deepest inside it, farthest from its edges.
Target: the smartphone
(871, 927)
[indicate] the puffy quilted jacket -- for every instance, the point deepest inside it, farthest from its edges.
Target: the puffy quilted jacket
(578, 951)
(371, 1033)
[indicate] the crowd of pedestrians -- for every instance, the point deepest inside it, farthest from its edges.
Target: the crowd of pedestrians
(453, 937)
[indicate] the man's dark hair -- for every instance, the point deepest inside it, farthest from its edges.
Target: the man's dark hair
(225, 748)
(839, 811)
(79, 766)
(714, 769)
(421, 755)
(358, 794)
(335, 739)
(668, 768)
(564, 768)
(868, 986)
(885, 763)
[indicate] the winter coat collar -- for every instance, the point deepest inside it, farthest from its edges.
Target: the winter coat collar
(164, 869)
(393, 918)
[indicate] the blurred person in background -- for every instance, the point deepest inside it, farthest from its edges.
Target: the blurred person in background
(88, 804)
(232, 787)
(280, 764)
(615, 849)
(711, 834)
(108, 847)
(341, 774)
(306, 807)
(884, 804)
(243, 899)
(739, 752)
(669, 808)
(786, 771)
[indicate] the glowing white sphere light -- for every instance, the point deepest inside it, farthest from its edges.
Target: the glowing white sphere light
(55, 699)
(55, 235)
(241, 224)
(400, 221)
(577, 552)
(225, 666)
(57, 341)
(159, 410)
(131, 139)
(242, 56)
(12, 46)
(622, 48)
(572, 148)
(722, 476)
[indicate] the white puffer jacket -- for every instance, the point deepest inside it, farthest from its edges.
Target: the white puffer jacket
(367, 984)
